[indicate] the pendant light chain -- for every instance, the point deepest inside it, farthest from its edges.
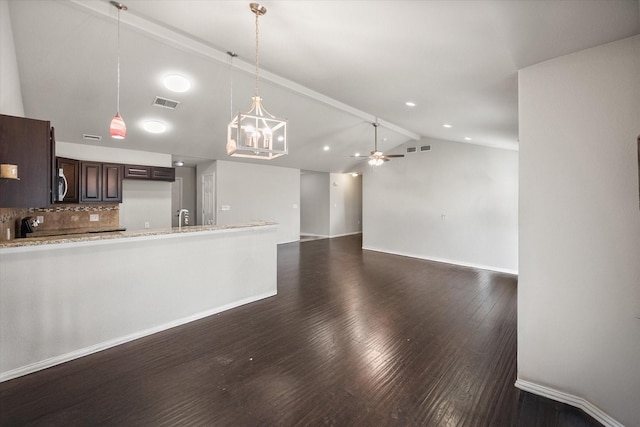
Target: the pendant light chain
(257, 57)
(231, 56)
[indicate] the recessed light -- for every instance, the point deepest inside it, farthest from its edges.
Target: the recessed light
(177, 83)
(466, 138)
(354, 174)
(154, 126)
(356, 155)
(326, 148)
(178, 163)
(447, 125)
(410, 104)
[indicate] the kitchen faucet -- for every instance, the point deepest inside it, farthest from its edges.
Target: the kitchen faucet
(182, 212)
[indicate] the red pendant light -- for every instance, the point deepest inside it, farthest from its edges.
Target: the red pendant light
(118, 129)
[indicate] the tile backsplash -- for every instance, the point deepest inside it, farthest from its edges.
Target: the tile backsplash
(59, 219)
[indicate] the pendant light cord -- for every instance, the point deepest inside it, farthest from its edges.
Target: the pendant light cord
(118, 79)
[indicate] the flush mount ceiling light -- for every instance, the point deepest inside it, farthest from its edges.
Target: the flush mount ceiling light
(410, 104)
(257, 134)
(326, 148)
(447, 125)
(177, 83)
(117, 128)
(154, 126)
(466, 138)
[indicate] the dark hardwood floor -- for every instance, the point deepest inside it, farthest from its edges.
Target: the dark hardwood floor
(353, 338)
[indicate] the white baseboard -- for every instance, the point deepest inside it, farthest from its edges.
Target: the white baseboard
(569, 399)
(345, 234)
(446, 261)
(47, 363)
(313, 235)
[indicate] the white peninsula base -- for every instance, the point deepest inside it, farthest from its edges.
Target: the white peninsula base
(61, 301)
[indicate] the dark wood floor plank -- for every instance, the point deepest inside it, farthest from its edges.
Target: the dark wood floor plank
(353, 338)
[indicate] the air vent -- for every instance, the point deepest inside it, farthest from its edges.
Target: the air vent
(411, 149)
(91, 137)
(425, 148)
(165, 103)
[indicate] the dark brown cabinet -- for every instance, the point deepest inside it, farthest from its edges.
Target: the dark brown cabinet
(100, 182)
(112, 182)
(137, 172)
(154, 173)
(29, 144)
(67, 184)
(163, 174)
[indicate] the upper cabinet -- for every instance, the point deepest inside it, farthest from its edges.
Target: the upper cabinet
(155, 173)
(29, 144)
(100, 182)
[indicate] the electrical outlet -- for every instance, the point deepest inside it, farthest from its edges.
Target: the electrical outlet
(40, 219)
(146, 224)
(94, 217)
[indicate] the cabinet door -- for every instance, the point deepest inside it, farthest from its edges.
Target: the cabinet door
(163, 174)
(112, 182)
(28, 144)
(137, 172)
(71, 170)
(90, 182)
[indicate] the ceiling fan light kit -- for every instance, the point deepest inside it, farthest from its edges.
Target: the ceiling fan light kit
(257, 134)
(378, 158)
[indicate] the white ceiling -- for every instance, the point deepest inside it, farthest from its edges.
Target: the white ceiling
(329, 67)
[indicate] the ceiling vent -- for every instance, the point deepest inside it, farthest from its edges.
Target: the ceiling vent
(165, 103)
(411, 149)
(425, 148)
(88, 137)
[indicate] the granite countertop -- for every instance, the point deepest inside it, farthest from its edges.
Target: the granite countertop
(115, 234)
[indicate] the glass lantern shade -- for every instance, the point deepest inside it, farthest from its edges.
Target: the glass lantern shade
(257, 134)
(118, 129)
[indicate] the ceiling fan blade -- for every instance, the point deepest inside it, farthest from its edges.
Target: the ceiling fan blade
(394, 155)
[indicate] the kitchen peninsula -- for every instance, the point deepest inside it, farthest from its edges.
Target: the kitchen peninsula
(63, 297)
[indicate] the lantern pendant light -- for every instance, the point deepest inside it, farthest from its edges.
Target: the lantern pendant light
(118, 129)
(257, 134)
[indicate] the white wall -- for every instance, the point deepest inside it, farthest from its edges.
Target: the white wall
(457, 203)
(314, 203)
(10, 93)
(345, 204)
(145, 202)
(579, 284)
(259, 192)
(142, 201)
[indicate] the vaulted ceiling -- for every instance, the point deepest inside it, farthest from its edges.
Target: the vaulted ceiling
(329, 67)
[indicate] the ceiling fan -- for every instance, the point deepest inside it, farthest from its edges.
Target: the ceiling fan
(378, 157)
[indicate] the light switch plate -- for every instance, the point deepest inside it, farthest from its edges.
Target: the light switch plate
(94, 217)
